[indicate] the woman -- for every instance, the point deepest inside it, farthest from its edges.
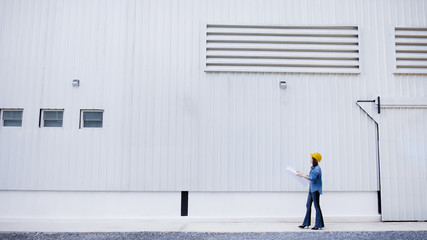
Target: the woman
(315, 178)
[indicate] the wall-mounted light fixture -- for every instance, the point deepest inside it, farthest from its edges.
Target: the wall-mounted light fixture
(283, 84)
(76, 83)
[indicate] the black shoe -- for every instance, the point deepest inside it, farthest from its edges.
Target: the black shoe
(315, 228)
(302, 226)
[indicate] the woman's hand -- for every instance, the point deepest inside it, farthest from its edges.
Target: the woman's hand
(300, 174)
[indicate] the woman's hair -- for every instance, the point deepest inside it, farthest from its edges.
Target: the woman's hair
(315, 163)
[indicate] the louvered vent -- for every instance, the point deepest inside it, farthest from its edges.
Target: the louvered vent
(411, 50)
(330, 49)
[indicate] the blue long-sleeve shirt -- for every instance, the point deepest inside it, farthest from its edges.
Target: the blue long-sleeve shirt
(315, 177)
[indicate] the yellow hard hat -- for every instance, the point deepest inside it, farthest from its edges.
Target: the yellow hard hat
(317, 156)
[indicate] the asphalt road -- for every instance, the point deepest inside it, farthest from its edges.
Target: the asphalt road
(192, 235)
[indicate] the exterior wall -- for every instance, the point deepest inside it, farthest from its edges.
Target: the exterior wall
(107, 211)
(404, 168)
(286, 205)
(171, 126)
(79, 205)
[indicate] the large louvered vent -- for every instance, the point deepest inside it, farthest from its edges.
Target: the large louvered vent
(243, 48)
(411, 50)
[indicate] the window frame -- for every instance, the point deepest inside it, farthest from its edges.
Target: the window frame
(11, 110)
(42, 120)
(81, 122)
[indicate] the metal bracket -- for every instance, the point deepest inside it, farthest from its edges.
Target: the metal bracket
(368, 106)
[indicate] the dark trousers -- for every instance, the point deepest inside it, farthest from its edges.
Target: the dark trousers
(314, 197)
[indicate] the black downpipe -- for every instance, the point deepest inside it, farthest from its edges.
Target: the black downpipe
(379, 166)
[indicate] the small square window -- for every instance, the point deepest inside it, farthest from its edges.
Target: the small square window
(12, 118)
(53, 118)
(91, 118)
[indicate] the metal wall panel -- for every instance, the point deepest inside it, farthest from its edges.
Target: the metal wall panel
(404, 163)
(168, 125)
(402, 130)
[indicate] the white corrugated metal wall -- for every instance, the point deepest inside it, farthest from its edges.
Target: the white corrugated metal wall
(403, 134)
(168, 124)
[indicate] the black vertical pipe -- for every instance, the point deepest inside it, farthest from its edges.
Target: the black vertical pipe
(378, 163)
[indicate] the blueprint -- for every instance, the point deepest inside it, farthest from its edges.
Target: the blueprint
(294, 173)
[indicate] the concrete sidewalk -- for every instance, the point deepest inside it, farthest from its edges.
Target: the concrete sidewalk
(196, 225)
(293, 227)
